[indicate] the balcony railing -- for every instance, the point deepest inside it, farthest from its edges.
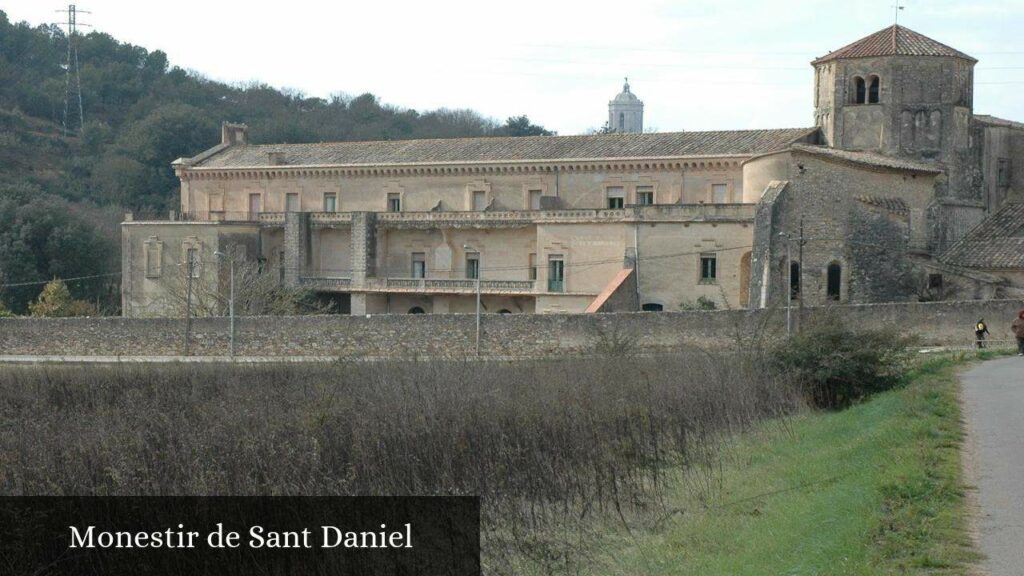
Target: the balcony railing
(458, 284)
(325, 283)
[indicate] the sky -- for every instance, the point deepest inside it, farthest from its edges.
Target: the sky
(696, 64)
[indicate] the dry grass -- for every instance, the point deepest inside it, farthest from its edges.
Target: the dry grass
(547, 444)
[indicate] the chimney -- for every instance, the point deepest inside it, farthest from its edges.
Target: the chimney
(234, 133)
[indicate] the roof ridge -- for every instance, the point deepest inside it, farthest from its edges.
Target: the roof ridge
(806, 129)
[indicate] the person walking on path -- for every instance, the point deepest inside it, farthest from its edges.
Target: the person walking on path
(1018, 331)
(980, 330)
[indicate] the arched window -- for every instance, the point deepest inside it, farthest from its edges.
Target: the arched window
(416, 310)
(859, 92)
(652, 307)
(834, 281)
(794, 280)
(873, 90)
(622, 121)
(504, 311)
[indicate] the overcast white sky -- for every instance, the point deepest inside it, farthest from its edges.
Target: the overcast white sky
(697, 64)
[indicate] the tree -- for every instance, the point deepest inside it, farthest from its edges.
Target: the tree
(521, 126)
(55, 301)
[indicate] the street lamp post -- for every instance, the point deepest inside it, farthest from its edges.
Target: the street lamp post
(231, 303)
(468, 248)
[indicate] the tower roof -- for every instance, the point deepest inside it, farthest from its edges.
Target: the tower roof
(893, 41)
(626, 95)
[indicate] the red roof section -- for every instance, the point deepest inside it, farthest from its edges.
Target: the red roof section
(894, 41)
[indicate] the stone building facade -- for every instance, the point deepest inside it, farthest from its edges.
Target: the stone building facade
(860, 207)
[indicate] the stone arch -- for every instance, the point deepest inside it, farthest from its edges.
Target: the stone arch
(874, 87)
(834, 281)
(859, 92)
(417, 310)
(652, 307)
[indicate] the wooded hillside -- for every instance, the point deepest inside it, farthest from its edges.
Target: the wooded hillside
(62, 197)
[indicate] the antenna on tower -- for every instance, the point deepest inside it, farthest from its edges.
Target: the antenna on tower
(896, 12)
(72, 82)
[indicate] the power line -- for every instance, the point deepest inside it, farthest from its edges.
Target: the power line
(65, 280)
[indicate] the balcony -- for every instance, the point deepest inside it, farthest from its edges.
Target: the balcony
(450, 285)
(326, 284)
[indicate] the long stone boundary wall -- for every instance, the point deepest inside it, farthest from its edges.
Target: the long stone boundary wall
(505, 335)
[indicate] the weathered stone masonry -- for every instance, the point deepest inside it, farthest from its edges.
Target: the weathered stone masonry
(452, 335)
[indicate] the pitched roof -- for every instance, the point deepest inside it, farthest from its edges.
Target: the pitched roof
(508, 149)
(893, 41)
(994, 121)
(996, 243)
(869, 159)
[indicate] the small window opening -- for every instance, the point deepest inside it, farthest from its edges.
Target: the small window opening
(417, 310)
(708, 268)
(556, 273)
(645, 195)
(652, 307)
(858, 90)
(472, 265)
(394, 202)
(834, 281)
(616, 197)
(419, 265)
(873, 91)
(794, 280)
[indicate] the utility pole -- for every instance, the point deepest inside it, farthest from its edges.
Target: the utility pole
(800, 277)
(231, 302)
(73, 83)
(468, 248)
(189, 266)
(788, 285)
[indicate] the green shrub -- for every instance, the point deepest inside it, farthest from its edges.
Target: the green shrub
(835, 366)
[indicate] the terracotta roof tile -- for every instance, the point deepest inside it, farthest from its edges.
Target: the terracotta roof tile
(509, 149)
(996, 243)
(869, 158)
(893, 41)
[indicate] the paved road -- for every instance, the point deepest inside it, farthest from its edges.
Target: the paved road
(994, 407)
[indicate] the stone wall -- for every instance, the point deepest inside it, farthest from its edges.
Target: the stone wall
(506, 335)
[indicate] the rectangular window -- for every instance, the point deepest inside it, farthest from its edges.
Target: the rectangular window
(479, 200)
(645, 195)
(472, 265)
(154, 266)
(719, 193)
(419, 265)
(291, 202)
(708, 268)
(535, 199)
(394, 202)
(935, 282)
(616, 197)
(193, 262)
(254, 206)
(330, 202)
(533, 266)
(556, 273)
(1003, 172)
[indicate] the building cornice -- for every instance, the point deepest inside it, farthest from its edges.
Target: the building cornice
(673, 163)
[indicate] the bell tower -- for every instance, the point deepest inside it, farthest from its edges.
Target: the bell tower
(896, 92)
(626, 112)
